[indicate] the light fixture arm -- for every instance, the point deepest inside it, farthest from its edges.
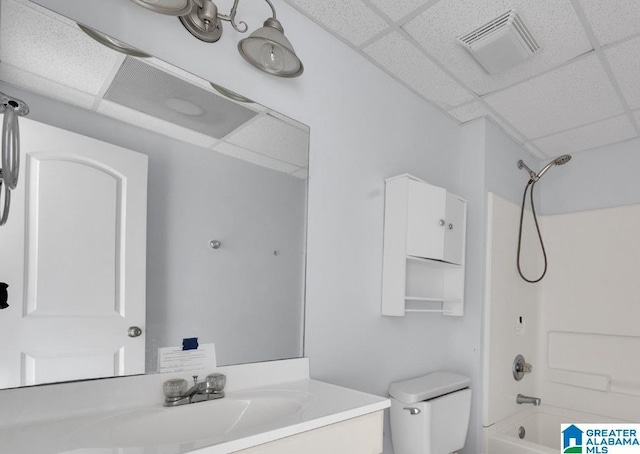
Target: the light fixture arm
(242, 26)
(266, 48)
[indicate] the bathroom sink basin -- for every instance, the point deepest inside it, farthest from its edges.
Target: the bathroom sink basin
(240, 420)
(212, 421)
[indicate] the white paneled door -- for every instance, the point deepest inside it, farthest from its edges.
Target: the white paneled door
(74, 255)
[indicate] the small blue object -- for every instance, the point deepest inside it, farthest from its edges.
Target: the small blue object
(190, 343)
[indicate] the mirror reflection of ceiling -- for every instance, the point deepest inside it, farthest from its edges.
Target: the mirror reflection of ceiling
(48, 54)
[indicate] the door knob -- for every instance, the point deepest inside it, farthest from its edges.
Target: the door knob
(134, 331)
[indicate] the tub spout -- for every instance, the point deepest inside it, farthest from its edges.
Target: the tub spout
(521, 399)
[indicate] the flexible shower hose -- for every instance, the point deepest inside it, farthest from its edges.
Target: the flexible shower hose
(531, 184)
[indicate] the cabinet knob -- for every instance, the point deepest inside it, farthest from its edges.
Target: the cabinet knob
(441, 222)
(450, 226)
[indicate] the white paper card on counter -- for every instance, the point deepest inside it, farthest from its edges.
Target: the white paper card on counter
(174, 359)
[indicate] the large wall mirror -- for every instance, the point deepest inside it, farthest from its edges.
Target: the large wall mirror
(147, 198)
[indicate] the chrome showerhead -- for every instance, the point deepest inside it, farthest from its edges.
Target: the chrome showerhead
(556, 162)
(536, 176)
(562, 159)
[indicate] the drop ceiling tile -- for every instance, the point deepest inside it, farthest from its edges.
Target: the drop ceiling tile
(351, 19)
(397, 9)
(63, 54)
(571, 96)
(45, 11)
(624, 60)
(439, 26)
(468, 112)
(289, 120)
(508, 128)
(254, 158)
(147, 89)
(198, 81)
(534, 151)
(612, 20)
(45, 87)
(154, 124)
(301, 173)
(179, 72)
(402, 59)
(272, 137)
(605, 132)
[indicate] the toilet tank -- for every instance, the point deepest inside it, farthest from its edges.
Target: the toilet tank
(430, 414)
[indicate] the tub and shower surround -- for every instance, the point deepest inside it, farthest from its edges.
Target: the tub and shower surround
(578, 327)
(536, 431)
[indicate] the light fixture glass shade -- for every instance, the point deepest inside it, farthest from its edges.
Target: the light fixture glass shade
(231, 94)
(168, 7)
(113, 43)
(270, 51)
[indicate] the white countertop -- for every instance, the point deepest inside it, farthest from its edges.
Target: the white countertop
(317, 404)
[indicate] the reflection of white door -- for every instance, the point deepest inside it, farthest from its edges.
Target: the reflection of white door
(74, 255)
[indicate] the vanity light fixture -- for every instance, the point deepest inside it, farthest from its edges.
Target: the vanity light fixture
(267, 48)
(231, 94)
(113, 43)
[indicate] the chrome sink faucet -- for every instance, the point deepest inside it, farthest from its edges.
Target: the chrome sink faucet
(176, 392)
(522, 399)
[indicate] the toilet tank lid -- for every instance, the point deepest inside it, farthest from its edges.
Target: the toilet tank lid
(428, 386)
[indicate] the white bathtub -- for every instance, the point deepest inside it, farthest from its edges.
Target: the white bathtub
(542, 430)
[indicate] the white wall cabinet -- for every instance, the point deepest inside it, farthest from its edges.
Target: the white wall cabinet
(424, 245)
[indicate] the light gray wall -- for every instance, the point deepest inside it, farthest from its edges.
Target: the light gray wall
(365, 127)
(599, 178)
(488, 164)
(242, 297)
(468, 346)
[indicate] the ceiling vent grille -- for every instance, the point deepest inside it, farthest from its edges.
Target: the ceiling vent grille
(501, 43)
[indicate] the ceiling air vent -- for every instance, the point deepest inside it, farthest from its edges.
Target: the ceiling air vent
(501, 43)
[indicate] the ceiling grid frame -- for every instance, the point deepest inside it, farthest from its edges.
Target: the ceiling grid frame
(398, 26)
(574, 12)
(598, 49)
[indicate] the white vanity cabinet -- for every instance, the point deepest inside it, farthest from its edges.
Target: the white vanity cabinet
(424, 246)
(361, 435)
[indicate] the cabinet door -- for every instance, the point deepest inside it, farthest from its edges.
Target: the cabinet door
(454, 230)
(426, 220)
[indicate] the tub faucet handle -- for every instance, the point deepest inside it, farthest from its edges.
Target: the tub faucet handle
(521, 367)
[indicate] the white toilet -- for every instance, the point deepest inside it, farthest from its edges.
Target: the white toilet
(430, 414)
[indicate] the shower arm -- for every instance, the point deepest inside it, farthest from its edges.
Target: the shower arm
(532, 174)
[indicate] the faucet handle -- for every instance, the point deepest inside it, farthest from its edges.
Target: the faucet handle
(176, 387)
(520, 367)
(216, 381)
